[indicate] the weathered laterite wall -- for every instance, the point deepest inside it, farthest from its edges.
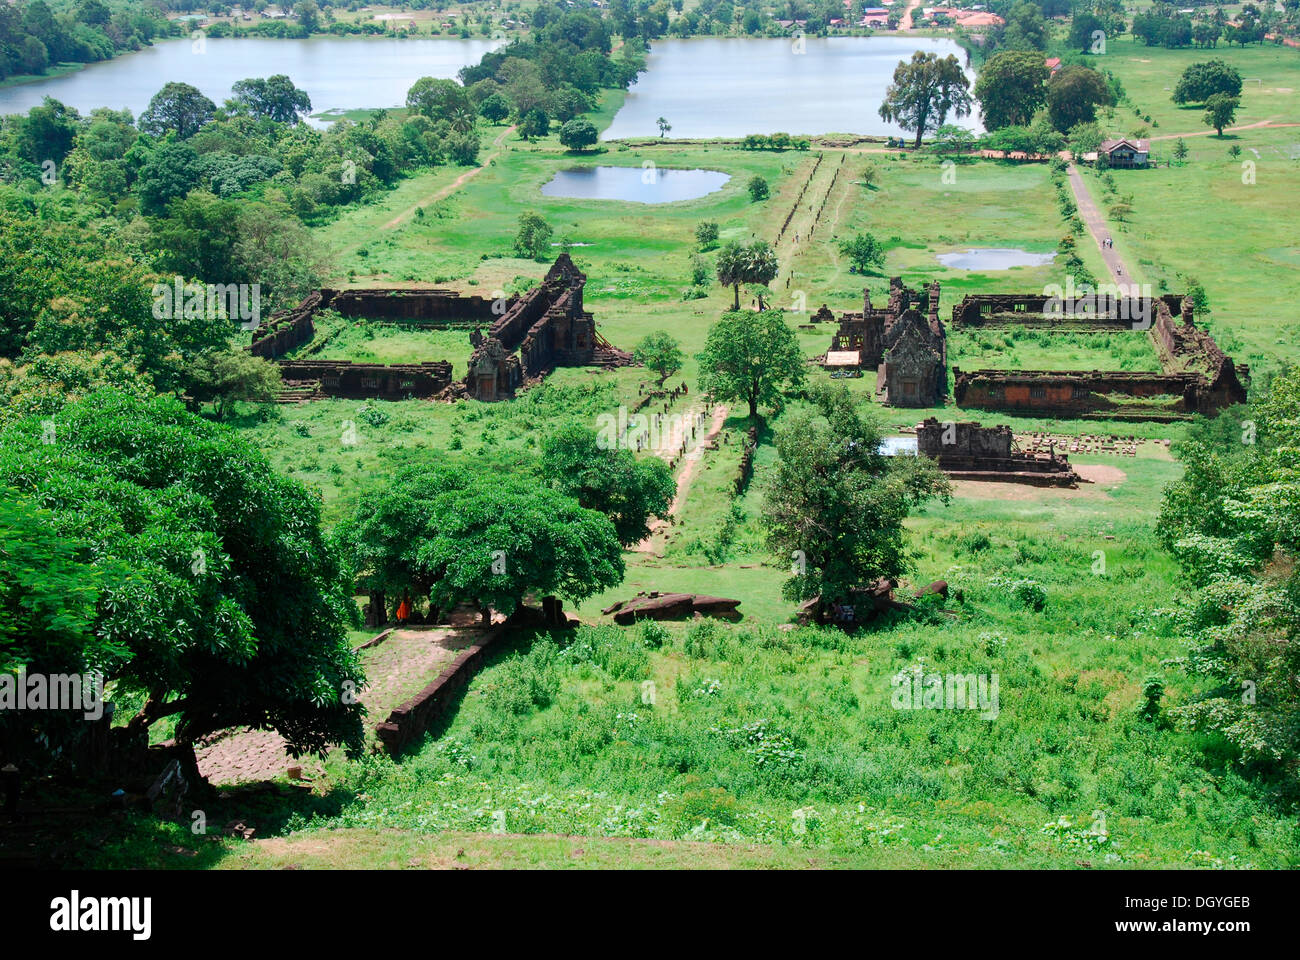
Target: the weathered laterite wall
(527, 337)
(1031, 310)
(969, 451)
(1198, 377)
(407, 723)
(364, 381)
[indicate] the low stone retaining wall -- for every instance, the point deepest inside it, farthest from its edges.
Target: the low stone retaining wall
(408, 722)
(746, 469)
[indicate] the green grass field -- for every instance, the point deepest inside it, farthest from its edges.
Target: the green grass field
(768, 745)
(1203, 219)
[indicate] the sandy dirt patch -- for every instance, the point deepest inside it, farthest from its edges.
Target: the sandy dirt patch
(397, 669)
(1103, 479)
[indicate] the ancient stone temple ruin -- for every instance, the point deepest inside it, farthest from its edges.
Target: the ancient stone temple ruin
(545, 328)
(1197, 376)
(527, 337)
(969, 451)
(904, 341)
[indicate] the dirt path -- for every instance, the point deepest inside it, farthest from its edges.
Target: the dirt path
(797, 237)
(1269, 124)
(905, 23)
(396, 670)
(690, 466)
(1116, 268)
(455, 185)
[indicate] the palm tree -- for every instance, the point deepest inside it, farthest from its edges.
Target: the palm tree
(731, 267)
(761, 266)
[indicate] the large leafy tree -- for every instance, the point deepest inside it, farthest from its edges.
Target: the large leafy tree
(220, 603)
(1073, 95)
(48, 591)
(925, 90)
(578, 134)
(1233, 523)
(223, 376)
(751, 357)
(274, 98)
(473, 537)
(170, 172)
(1010, 88)
(836, 505)
(1026, 28)
(179, 108)
(99, 304)
(1200, 81)
(611, 481)
(439, 99)
(659, 352)
(1220, 111)
(47, 132)
(277, 252)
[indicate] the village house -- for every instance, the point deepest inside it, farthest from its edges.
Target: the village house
(1123, 153)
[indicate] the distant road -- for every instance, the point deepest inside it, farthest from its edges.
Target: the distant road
(906, 22)
(1096, 224)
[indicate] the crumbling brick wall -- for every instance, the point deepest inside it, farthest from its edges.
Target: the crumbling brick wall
(545, 328)
(965, 438)
(1034, 310)
(398, 381)
(1197, 377)
(968, 450)
(527, 337)
(1073, 393)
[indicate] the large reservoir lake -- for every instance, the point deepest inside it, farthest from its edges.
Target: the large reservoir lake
(707, 87)
(337, 73)
(704, 87)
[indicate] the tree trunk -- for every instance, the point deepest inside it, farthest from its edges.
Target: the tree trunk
(736, 288)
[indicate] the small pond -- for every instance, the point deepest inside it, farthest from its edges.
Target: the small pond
(994, 258)
(897, 446)
(634, 184)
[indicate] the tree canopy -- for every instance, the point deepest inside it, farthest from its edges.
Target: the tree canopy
(608, 479)
(925, 90)
(836, 504)
(462, 537)
(1073, 95)
(751, 357)
(178, 108)
(1233, 523)
(1010, 88)
(225, 606)
(275, 98)
(1200, 81)
(659, 352)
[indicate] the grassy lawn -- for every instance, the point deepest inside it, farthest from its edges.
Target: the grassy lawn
(1020, 349)
(1200, 219)
(1149, 75)
(766, 744)
(389, 343)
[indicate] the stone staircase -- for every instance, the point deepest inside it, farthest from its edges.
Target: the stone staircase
(299, 391)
